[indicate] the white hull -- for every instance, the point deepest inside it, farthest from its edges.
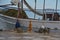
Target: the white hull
(10, 22)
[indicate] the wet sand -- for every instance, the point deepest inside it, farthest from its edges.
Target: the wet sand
(28, 36)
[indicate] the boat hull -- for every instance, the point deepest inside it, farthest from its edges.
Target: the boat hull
(36, 24)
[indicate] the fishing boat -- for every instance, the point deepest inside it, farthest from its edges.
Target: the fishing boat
(53, 18)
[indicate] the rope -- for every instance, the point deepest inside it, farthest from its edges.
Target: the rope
(32, 8)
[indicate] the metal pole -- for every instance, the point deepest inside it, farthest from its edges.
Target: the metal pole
(43, 13)
(56, 5)
(35, 10)
(43, 10)
(21, 6)
(18, 10)
(53, 15)
(17, 25)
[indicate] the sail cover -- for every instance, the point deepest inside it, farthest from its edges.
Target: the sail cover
(15, 2)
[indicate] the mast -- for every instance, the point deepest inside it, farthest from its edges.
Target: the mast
(35, 9)
(56, 5)
(55, 9)
(17, 25)
(44, 16)
(18, 10)
(21, 6)
(43, 25)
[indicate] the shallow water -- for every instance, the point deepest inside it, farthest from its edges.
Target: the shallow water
(27, 36)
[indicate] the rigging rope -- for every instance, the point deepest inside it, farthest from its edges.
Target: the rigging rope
(32, 8)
